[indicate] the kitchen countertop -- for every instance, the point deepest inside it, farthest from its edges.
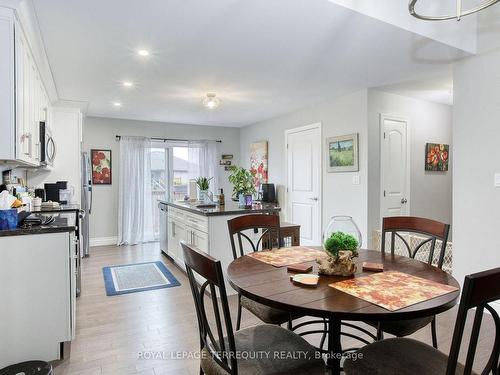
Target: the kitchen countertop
(230, 208)
(61, 224)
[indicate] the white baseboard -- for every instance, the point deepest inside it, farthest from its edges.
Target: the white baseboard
(103, 241)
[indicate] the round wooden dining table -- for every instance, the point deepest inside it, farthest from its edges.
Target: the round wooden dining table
(272, 286)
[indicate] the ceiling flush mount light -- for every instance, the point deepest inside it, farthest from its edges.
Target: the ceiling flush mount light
(117, 104)
(211, 101)
(143, 52)
(128, 84)
(458, 16)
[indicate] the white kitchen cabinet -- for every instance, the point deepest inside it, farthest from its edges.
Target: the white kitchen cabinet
(38, 293)
(24, 99)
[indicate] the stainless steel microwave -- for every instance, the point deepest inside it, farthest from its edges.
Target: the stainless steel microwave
(47, 146)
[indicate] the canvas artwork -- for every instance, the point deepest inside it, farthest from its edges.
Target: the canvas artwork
(437, 157)
(258, 163)
(343, 153)
(101, 167)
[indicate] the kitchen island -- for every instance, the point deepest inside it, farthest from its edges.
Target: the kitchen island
(205, 228)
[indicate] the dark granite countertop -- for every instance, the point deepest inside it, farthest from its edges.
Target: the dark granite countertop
(230, 208)
(61, 224)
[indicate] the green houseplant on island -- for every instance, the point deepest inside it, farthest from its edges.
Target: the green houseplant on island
(242, 181)
(203, 184)
(342, 241)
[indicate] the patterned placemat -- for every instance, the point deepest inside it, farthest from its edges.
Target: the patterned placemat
(393, 290)
(287, 255)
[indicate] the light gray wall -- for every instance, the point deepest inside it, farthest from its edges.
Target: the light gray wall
(430, 192)
(344, 115)
(100, 132)
(476, 140)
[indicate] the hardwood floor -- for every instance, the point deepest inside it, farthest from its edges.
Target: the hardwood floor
(146, 333)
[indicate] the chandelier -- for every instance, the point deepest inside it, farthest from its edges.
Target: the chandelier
(458, 16)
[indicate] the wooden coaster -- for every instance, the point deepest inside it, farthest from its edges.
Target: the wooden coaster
(305, 279)
(373, 267)
(302, 268)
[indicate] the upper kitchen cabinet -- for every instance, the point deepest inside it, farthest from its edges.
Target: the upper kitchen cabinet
(24, 101)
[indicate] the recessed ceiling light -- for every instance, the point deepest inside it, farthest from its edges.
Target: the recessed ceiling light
(211, 101)
(117, 104)
(128, 84)
(143, 52)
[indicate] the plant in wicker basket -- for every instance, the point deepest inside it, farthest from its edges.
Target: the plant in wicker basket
(341, 248)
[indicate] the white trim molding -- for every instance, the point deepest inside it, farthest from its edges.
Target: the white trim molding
(103, 241)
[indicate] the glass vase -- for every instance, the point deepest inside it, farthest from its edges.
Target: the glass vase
(344, 224)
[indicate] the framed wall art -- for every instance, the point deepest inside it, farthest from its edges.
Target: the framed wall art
(437, 157)
(342, 153)
(258, 162)
(101, 167)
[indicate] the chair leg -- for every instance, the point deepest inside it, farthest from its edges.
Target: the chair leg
(323, 336)
(238, 319)
(289, 324)
(380, 333)
(434, 333)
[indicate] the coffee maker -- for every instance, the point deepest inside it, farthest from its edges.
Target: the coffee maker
(267, 193)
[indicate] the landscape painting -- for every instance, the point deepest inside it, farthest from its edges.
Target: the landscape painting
(437, 157)
(258, 163)
(101, 167)
(343, 153)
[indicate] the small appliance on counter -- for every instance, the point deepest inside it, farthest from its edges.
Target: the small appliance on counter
(58, 192)
(267, 193)
(40, 193)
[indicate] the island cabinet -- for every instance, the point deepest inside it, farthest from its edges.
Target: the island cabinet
(206, 229)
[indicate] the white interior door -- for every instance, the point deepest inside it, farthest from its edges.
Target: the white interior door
(394, 163)
(304, 181)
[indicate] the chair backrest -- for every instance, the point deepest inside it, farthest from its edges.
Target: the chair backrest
(479, 290)
(269, 224)
(210, 269)
(432, 229)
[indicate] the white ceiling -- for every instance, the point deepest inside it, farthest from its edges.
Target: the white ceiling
(263, 58)
(437, 90)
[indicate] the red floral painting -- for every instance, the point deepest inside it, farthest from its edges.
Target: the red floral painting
(437, 157)
(258, 163)
(101, 167)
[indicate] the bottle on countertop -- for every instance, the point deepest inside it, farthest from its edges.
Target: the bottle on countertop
(221, 198)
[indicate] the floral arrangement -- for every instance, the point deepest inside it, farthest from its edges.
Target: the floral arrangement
(339, 241)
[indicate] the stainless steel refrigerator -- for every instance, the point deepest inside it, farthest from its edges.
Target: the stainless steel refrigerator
(86, 203)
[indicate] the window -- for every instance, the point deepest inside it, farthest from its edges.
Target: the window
(180, 172)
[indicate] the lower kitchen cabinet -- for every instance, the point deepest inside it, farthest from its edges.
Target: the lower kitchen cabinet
(38, 296)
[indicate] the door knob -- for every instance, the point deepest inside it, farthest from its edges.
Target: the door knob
(314, 199)
(404, 200)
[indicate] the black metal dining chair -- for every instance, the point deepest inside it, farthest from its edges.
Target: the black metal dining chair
(403, 356)
(262, 349)
(432, 231)
(270, 236)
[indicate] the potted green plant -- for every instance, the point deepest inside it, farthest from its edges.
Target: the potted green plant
(341, 248)
(242, 181)
(203, 184)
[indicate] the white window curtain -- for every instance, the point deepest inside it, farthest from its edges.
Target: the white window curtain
(203, 162)
(135, 206)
